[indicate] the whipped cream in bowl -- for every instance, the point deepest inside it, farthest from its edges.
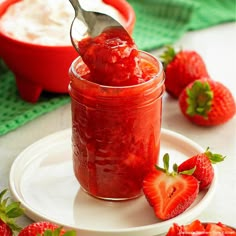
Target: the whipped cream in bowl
(47, 22)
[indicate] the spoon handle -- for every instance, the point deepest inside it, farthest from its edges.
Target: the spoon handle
(81, 14)
(76, 5)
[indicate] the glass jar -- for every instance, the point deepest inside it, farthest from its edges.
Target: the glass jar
(115, 131)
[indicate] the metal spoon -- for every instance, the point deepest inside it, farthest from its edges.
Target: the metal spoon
(89, 24)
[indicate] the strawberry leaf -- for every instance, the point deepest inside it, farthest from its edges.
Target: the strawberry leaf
(214, 157)
(175, 168)
(14, 210)
(2, 194)
(188, 172)
(161, 169)
(168, 55)
(13, 226)
(9, 211)
(57, 232)
(166, 161)
(47, 233)
(70, 233)
(199, 99)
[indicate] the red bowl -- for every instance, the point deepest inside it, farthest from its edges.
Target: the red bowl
(39, 67)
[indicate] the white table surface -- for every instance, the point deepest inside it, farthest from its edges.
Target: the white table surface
(217, 45)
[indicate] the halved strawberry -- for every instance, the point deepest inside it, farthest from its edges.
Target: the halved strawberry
(45, 228)
(204, 170)
(9, 211)
(170, 193)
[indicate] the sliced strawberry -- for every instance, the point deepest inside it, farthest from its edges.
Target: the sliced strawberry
(214, 230)
(204, 170)
(200, 229)
(227, 230)
(194, 228)
(219, 229)
(169, 194)
(174, 230)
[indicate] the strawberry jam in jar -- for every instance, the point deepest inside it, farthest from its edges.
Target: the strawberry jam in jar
(116, 123)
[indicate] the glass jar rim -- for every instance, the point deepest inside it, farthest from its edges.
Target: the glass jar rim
(159, 73)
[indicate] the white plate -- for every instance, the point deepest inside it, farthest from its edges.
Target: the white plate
(42, 179)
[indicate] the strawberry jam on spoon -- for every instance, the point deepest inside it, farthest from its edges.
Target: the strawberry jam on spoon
(113, 59)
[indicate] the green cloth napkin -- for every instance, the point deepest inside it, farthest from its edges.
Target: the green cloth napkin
(161, 22)
(14, 112)
(158, 22)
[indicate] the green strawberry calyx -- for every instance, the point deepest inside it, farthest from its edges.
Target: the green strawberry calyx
(199, 99)
(168, 55)
(165, 169)
(57, 232)
(9, 211)
(214, 157)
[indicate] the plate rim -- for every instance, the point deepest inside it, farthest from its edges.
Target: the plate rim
(137, 229)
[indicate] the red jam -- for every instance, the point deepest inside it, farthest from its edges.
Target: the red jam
(113, 59)
(116, 116)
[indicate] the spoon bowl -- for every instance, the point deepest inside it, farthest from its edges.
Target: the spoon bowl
(90, 24)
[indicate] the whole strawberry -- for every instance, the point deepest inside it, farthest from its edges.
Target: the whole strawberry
(45, 228)
(9, 211)
(202, 163)
(170, 194)
(206, 102)
(182, 68)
